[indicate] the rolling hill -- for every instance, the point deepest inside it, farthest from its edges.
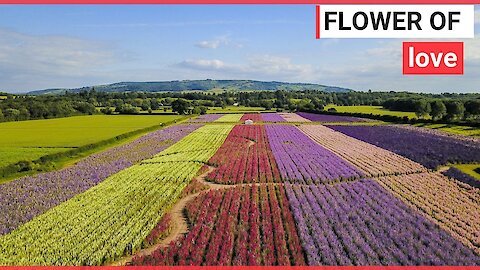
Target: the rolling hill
(196, 85)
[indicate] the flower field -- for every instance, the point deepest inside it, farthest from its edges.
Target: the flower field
(245, 157)
(230, 118)
(462, 177)
(285, 191)
(301, 160)
(205, 118)
(114, 217)
(27, 197)
(255, 117)
(239, 226)
(361, 224)
(428, 149)
(293, 117)
(451, 204)
(330, 118)
(371, 159)
(272, 117)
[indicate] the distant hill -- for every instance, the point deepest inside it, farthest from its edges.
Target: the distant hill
(196, 85)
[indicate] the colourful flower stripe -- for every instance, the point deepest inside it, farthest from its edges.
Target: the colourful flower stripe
(369, 158)
(462, 177)
(114, 217)
(230, 118)
(360, 223)
(239, 226)
(27, 197)
(206, 118)
(425, 148)
(255, 117)
(272, 117)
(293, 117)
(435, 132)
(330, 118)
(451, 204)
(245, 157)
(301, 160)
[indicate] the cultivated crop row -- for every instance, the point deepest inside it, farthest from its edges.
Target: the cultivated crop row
(427, 149)
(27, 197)
(114, 217)
(245, 157)
(293, 117)
(462, 177)
(360, 223)
(255, 117)
(239, 226)
(272, 117)
(230, 118)
(330, 118)
(206, 118)
(369, 158)
(301, 160)
(451, 204)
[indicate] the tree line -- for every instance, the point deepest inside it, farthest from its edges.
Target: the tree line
(445, 107)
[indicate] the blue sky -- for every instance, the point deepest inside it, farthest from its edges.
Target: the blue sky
(49, 46)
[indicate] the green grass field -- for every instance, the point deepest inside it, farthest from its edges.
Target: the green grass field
(370, 109)
(237, 109)
(29, 140)
(461, 130)
(469, 169)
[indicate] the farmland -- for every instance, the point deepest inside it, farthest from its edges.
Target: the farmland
(29, 140)
(376, 110)
(290, 189)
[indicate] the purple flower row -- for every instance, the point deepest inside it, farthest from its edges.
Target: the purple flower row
(205, 118)
(330, 118)
(272, 117)
(462, 177)
(360, 223)
(302, 160)
(427, 149)
(25, 198)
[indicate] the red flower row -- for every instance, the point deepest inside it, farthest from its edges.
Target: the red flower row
(238, 226)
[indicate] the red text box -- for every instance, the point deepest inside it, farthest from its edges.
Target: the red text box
(433, 58)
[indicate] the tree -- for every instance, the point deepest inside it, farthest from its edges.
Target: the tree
(422, 108)
(155, 104)
(127, 109)
(438, 109)
(472, 108)
(11, 114)
(1, 116)
(181, 106)
(455, 110)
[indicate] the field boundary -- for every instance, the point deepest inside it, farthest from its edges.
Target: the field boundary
(58, 160)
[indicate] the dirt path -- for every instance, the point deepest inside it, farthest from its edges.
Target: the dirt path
(179, 225)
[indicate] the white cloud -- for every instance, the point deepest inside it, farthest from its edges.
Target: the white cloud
(208, 44)
(32, 62)
(217, 42)
(203, 64)
(262, 67)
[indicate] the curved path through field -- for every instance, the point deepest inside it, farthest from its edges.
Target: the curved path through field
(179, 224)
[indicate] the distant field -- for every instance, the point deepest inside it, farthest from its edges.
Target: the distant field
(462, 130)
(29, 140)
(370, 109)
(469, 169)
(235, 109)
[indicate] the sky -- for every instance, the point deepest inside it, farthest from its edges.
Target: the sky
(68, 46)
